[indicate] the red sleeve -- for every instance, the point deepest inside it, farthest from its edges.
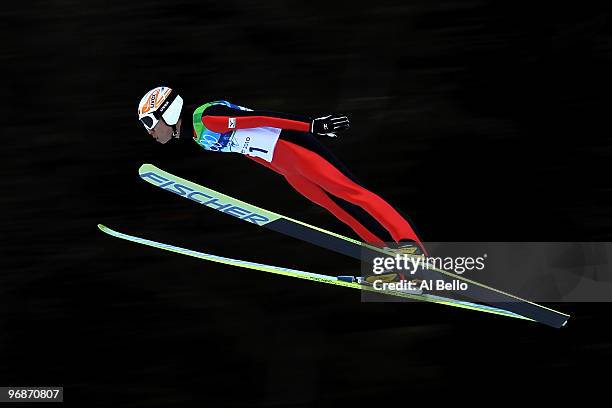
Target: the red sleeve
(222, 124)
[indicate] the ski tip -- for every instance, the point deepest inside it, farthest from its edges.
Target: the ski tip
(143, 167)
(102, 227)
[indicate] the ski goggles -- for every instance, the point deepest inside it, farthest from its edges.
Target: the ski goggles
(150, 120)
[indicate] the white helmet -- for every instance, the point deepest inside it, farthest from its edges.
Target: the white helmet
(161, 102)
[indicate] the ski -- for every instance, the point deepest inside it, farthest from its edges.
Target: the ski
(356, 249)
(331, 280)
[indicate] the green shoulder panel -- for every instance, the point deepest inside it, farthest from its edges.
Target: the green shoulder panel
(198, 126)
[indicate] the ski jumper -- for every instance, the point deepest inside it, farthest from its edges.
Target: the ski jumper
(282, 143)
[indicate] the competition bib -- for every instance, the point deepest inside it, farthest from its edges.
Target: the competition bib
(258, 142)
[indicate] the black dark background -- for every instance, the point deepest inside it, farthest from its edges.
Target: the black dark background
(482, 120)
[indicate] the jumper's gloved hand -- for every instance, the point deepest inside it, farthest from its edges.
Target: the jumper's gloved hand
(329, 125)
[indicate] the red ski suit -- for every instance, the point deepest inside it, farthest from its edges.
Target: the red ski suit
(318, 175)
